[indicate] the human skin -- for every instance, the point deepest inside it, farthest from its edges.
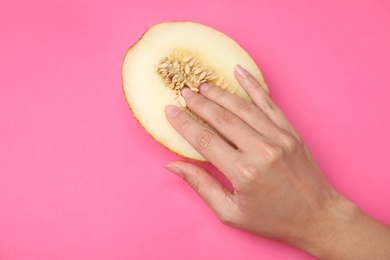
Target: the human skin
(279, 190)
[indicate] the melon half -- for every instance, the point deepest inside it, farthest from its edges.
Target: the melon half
(173, 55)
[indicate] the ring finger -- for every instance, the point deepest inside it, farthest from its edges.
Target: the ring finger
(225, 122)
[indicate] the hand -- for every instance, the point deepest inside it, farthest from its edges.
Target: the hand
(279, 190)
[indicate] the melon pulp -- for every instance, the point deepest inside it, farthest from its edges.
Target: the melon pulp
(154, 70)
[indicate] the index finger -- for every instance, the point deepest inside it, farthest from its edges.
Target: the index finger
(206, 142)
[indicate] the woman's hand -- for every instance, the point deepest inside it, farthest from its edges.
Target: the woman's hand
(279, 190)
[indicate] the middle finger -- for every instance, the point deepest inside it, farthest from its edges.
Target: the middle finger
(225, 122)
(246, 111)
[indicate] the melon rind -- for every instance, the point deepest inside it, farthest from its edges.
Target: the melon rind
(145, 91)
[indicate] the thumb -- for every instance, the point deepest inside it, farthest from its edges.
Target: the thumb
(208, 188)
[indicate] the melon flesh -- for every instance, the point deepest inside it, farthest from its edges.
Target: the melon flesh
(146, 92)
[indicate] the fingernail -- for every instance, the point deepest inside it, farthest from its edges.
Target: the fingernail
(174, 169)
(241, 72)
(204, 87)
(186, 92)
(172, 111)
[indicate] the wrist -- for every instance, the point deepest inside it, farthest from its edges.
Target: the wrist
(326, 232)
(346, 232)
(336, 222)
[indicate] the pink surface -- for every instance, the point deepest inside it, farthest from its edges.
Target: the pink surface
(80, 179)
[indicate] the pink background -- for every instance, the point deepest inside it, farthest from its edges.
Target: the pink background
(80, 179)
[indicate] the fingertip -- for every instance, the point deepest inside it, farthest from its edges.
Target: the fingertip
(186, 92)
(172, 111)
(204, 88)
(204, 184)
(249, 83)
(241, 72)
(174, 170)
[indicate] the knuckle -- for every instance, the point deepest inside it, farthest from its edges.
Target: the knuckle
(254, 83)
(184, 122)
(273, 154)
(247, 172)
(246, 107)
(204, 139)
(268, 104)
(290, 143)
(224, 117)
(194, 184)
(217, 93)
(199, 101)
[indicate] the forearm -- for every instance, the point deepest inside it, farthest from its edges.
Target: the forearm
(348, 233)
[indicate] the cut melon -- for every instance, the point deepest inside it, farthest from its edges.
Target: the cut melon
(173, 55)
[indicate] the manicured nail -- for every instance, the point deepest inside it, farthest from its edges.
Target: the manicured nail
(172, 111)
(186, 92)
(174, 169)
(241, 72)
(204, 87)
